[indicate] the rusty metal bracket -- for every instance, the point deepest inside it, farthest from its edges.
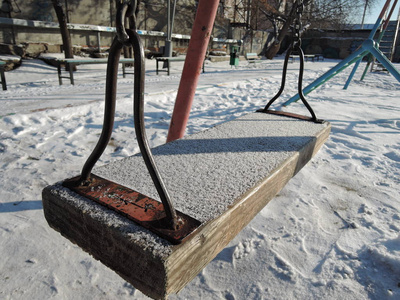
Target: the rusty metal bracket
(290, 115)
(135, 206)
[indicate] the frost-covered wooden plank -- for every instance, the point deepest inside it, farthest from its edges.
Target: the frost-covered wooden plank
(222, 177)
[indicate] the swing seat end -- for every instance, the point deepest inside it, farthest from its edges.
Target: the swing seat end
(145, 211)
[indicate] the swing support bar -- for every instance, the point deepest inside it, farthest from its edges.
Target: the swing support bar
(383, 30)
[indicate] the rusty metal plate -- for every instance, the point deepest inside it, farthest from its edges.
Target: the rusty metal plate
(290, 115)
(137, 207)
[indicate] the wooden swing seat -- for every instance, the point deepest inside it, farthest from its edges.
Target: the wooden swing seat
(221, 177)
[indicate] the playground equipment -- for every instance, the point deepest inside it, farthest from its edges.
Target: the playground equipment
(368, 47)
(218, 180)
(387, 44)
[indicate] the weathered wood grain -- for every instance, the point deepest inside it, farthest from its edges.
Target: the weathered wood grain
(188, 259)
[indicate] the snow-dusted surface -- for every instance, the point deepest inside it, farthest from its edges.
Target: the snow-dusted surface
(333, 231)
(208, 171)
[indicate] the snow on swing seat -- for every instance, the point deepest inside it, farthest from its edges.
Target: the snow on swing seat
(221, 177)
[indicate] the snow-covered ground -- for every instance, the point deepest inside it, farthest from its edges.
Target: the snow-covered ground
(332, 232)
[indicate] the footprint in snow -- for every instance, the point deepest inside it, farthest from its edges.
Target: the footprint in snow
(254, 292)
(242, 249)
(229, 296)
(17, 130)
(393, 155)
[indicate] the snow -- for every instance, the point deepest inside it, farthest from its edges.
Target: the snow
(216, 167)
(332, 232)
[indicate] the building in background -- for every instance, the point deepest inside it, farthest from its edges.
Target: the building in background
(32, 24)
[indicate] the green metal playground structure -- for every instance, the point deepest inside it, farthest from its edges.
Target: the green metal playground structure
(369, 47)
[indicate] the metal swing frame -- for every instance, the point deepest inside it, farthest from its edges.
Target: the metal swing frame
(161, 218)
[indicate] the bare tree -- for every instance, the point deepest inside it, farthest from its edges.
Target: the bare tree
(337, 14)
(368, 5)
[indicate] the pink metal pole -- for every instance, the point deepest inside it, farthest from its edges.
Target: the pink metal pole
(198, 43)
(386, 23)
(384, 9)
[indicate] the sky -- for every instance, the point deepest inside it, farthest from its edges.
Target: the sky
(376, 10)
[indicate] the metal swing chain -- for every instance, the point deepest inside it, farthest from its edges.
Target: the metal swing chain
(129, 38)
(297, 25)
(295, 46)
(126, 9)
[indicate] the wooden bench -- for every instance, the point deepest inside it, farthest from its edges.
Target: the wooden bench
(168, 60)
(319, 57)
(252, 58)
(2, 75)
(69, 63)
(307, 57)
(221, 177)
